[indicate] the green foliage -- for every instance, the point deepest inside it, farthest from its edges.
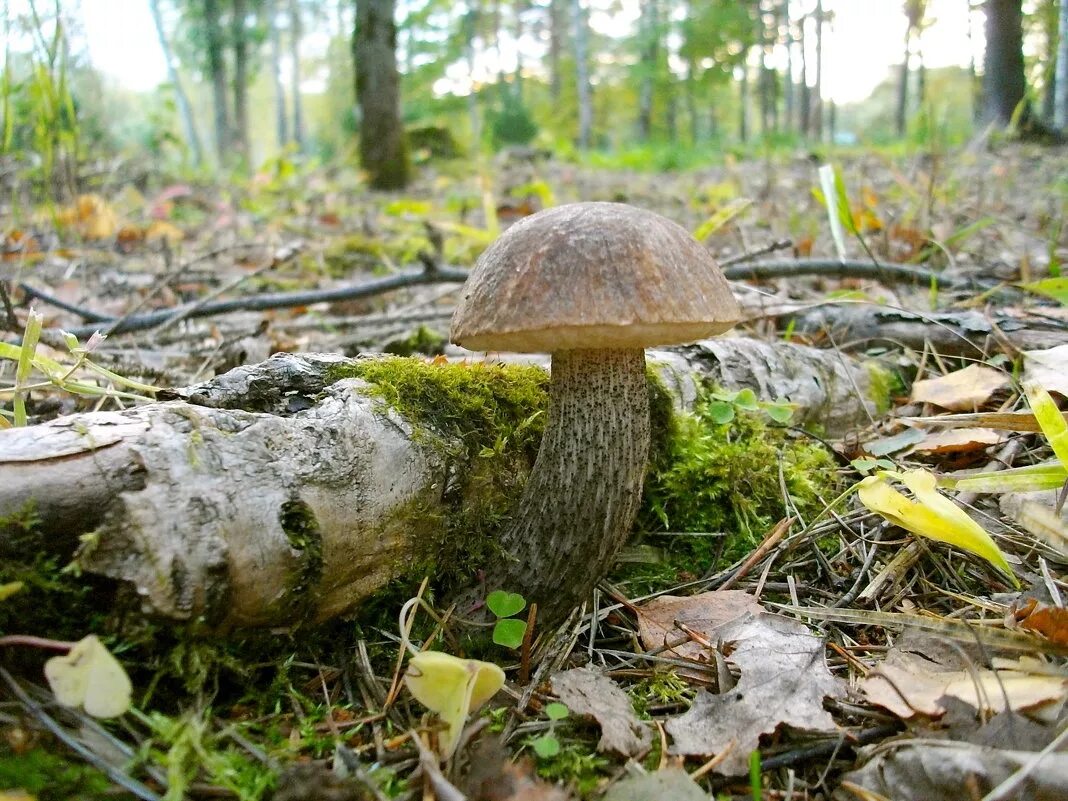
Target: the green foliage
(512, 123)
(48, 776)
(663, 687)
(507, 631)
(422, 341)
(724, 477)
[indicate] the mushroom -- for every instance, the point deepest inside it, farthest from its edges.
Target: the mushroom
(593, 284)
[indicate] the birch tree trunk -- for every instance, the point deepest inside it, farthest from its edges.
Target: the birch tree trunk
(296, 31)
(219, 89)
(1060, 103)
(582, 74)
(185, 109)
(239, 40)
(281, 121)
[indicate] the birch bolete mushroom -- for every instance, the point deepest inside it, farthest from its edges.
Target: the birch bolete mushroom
(593, 284)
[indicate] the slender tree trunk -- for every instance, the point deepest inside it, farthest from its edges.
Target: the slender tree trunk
(901, 111)
(743, 103)
(1060, 103)
(648, 66)
(582, 74)
(788, 88)
(817, 89)
(383, 152)
(557, 35)
(1004, 86)
(517, 78)
(296, 31)
(805, 107)
(185, 109)
(281, 121)
(691, 102)
(239, 37)
(217, 71)
(474, 117)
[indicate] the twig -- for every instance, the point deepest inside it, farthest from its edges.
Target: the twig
(280, 257)
(773, 539)
(778, 244)
(282, 300)
(885, 271)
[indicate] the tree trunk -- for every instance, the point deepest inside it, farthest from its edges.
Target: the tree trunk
(788, 87)
(557, 36)
(1060, 104)
(239, 38)
(582, 74)
(901, 111)
(296, 31)
(647, 66)
(383, 151)
(1004, 86)
(277, 493)
(473, 115)
(185, 110)
(281, 121)
(743, 102)
(817, 87)
(805, 107)
(217, 70)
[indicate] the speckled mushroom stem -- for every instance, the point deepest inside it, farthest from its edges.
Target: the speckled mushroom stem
(583, 493)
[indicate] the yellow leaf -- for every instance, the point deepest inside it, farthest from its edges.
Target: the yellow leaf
(721, 217)
(452, 687)
(90, 677)
(931, 515)
(160, 229)
(9, 589)
(1050, 420)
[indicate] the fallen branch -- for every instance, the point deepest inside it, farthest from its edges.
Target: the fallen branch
(432, 272)
(260, 302)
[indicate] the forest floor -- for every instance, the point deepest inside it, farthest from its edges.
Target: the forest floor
(822, 651)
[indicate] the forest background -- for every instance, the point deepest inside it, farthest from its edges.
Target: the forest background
(655, 84)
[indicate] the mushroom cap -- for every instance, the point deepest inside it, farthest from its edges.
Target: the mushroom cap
(592, 275)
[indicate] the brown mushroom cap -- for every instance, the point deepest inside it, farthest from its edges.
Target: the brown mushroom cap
(593, 275)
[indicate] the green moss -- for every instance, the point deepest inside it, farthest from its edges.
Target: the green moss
(485, 422)
(882, 383)
(422, 340)
(302, 530)
(710, 478)
(48, 776)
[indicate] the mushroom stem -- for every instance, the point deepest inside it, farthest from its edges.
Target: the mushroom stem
(583, 492)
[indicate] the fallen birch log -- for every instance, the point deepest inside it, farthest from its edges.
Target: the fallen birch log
(278, 493)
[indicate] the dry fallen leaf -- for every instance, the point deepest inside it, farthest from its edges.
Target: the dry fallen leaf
(908, 684)
(671, 783)
(588, 692)
(784, 680)
(965, 390)
(960, 440)
(703, 613)
(1047, 368)
(90, 677)
(1049, 621)
(933, 770)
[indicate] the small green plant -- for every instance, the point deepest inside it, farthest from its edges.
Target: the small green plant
(507, 631)
(723, 406)
(547, 746)
(60, 375)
